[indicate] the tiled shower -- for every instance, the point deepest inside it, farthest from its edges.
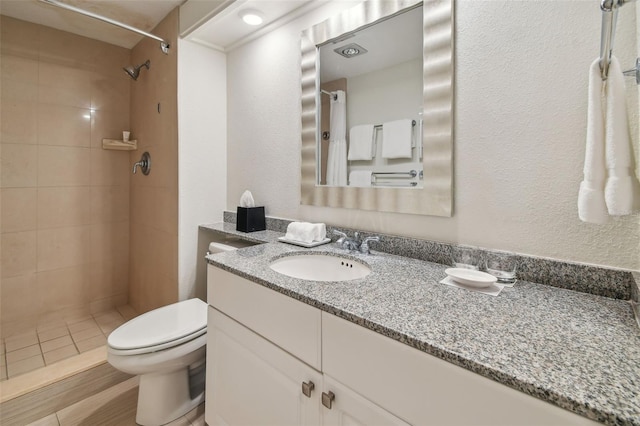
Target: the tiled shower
(67, 206)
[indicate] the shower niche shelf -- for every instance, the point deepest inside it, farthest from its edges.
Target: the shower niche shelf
(119, 145)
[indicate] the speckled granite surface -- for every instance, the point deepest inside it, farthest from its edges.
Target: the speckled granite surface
(576, 350)
(573, 276)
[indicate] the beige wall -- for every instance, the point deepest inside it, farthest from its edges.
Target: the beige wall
(154, 198)
(65, 201)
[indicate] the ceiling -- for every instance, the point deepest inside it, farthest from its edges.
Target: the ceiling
(217, 23)
(225, 30)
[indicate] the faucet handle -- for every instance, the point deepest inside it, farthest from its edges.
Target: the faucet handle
(339, 233)
(364, 247)
(342, 235)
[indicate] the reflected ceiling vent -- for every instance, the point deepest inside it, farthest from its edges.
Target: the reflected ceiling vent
(351, 50)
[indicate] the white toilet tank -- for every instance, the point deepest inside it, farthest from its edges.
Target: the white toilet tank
(228, 245)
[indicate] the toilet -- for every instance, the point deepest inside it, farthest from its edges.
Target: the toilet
(166, 348)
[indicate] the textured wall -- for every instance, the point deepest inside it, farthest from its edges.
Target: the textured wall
(153, 274)
(520, 114)
(65, 200)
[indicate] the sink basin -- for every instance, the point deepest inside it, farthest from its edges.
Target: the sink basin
(320, 267)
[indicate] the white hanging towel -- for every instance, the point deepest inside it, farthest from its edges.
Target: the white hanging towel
(361, 142)
(622, 186)
(337, 157)
(361, 178)
(396, 139)
(591, 205)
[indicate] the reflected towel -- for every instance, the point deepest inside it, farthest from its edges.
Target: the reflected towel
(306, 232)
(361, 142)
(591, 205)
(396, 139)
(621, 188)
(360, 178)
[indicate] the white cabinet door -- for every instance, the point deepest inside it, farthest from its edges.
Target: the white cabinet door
(250, 381)
(349, 408)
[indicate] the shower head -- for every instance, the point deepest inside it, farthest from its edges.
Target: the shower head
(134, 72)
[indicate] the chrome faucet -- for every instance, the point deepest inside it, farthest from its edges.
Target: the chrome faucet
(364, 246)
(353, 244)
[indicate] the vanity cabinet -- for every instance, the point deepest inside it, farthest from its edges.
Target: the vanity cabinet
(251, 381)
(349, 408)
(264, 349)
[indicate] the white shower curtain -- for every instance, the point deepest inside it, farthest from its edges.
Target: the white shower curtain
(337, 158)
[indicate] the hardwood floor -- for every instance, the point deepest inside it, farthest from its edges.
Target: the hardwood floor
(115, 406)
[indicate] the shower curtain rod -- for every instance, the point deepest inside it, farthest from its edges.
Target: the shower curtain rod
(164, 45)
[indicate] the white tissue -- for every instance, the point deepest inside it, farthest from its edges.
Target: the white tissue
(247, 200)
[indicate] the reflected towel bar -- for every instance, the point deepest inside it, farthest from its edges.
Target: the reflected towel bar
(394, 184)
(411, 173)
(379, 126)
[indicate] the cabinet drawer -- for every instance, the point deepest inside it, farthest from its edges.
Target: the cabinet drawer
(290, 324)
(422, 389)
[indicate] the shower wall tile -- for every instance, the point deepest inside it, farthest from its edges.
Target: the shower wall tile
(63, 48)
(64, 85)
(17, 297)
(60, 288)
(109, 60)
(110, 93)
(107, 279)
(18, 253)
(19, 165)
(63, 207)
(109, 124)
(18, 37)
(18, 91)
(154, 209)
(19, 122)
(18, 209)
(110, 167)
(63, 166)
(108, 241)
(18, 69)
(109, 204)
(64, 125)
(63, 247)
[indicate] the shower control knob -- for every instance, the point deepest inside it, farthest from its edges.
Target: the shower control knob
(144, 164)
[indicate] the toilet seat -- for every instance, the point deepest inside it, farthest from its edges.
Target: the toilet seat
(162, 328)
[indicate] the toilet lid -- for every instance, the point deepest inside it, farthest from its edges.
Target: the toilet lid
(176, 323)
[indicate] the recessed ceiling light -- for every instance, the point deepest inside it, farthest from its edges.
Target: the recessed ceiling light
(252, 16)
(350, 50)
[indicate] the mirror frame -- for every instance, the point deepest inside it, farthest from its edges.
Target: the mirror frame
(435, 197)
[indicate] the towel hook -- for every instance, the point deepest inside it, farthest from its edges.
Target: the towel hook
(634, 71)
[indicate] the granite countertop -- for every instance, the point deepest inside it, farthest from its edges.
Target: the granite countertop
(575, 350)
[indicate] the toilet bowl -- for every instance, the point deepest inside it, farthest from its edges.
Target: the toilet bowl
(166, 348)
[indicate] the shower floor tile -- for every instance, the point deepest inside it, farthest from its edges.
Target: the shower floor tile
(56, 339)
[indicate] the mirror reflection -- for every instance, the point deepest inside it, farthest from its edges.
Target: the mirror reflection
(396, 97)
(370, 104)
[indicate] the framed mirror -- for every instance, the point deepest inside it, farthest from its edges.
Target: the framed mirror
(377, 130)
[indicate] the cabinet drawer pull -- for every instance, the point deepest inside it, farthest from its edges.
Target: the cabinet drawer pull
(307, 388)
(327, 399)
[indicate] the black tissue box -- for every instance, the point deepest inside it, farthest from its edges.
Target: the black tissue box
(250, 219)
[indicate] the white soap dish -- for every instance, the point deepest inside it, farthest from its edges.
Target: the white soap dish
(304, 244)
(471, 277)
